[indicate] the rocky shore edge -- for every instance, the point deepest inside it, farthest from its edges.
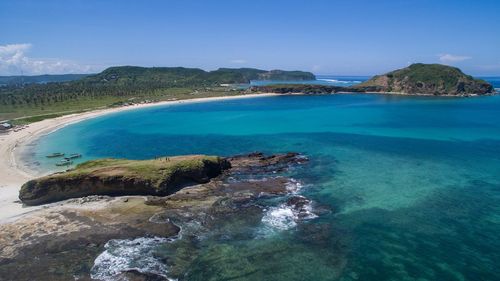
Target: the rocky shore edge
(63, 241)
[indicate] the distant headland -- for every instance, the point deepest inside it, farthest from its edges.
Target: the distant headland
(416, 79)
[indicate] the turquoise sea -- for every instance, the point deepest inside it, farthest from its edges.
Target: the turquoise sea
(412, 184)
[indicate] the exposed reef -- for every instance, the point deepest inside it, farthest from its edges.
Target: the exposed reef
(78, 232)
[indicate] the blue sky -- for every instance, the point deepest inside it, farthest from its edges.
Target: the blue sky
(325, 37)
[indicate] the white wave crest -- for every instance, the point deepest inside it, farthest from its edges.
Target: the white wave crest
(286, 217)
(293, 186)
(281, 218)
(129, 254)
(339, 81)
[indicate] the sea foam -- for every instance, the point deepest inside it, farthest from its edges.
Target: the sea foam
(339, 81)
(123, 255)
(286, 216)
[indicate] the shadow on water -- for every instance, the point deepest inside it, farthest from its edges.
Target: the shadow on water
(450, 235)
(122, 143)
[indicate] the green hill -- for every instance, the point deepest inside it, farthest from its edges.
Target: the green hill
(181, 76)
(118, 85)
(429, 79)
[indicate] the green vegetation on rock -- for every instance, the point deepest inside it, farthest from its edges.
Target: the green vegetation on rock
(123, 177)
(429, 79)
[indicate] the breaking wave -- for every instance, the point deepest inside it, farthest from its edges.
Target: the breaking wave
(285, 217)
(123, 255)
(339, 81)
(288, 214)
(293, 186)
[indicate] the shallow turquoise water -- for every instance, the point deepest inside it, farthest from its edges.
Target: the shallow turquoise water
(413, 183)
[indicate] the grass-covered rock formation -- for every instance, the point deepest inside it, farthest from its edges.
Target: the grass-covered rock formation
(123, 177)
(427, 79)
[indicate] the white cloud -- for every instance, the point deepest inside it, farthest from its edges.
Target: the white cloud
(239, 61)
(448, 58)
(14, 61)
(316, 68)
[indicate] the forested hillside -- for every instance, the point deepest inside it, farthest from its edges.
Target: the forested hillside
(120, 84)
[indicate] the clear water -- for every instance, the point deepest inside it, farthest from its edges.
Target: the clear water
(413, 182)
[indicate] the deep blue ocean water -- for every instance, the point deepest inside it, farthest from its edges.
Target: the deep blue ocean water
(413, 183)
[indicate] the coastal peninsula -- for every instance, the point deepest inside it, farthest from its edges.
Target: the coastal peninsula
(159, 177)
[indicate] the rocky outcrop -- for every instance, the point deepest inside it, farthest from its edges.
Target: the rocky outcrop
(259, 163)
(427, 79)
(75, 233)
(114, 177)
(159, 177)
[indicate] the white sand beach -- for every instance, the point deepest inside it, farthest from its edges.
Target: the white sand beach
(13, 174)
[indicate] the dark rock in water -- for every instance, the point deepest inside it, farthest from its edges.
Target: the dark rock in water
(301, 205)
(259, 163)
(231, 195)
(117, 177)
(135, 275)
(62, 242)
(298, 201)
(227, 196)
(267, 186)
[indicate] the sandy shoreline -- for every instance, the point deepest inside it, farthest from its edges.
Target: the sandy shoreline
(13, 174)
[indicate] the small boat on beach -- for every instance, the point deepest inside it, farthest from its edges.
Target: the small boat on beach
(65, 162)
(73, 156)
(55, 155)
